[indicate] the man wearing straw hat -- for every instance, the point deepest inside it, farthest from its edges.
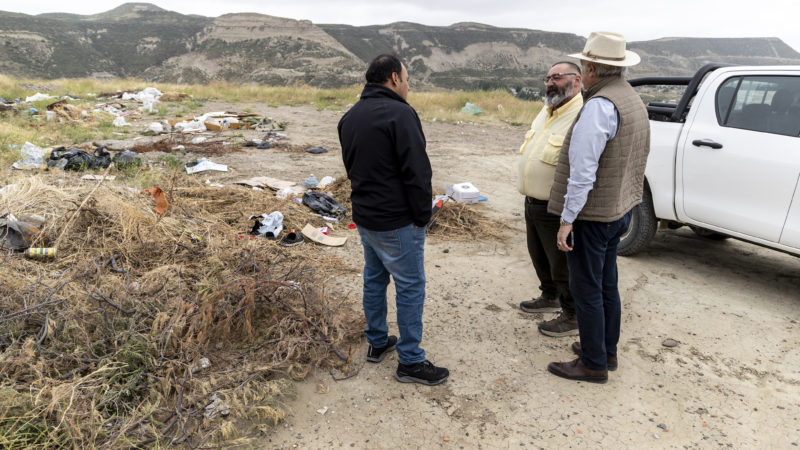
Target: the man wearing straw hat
(598, 181)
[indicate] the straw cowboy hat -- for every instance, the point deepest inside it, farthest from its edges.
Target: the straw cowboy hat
(607, 48)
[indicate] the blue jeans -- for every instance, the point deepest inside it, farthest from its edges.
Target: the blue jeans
(593, 284)
(401, 254)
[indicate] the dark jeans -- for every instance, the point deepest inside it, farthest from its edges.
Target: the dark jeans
(401, 254)
(549, 262)
(593, 282)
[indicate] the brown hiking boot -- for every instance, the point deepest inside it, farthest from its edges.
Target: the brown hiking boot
(540, 305)
(562, 325)
(611, 361)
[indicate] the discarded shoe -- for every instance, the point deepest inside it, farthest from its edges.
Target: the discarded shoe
(376, 355)
(292, 239)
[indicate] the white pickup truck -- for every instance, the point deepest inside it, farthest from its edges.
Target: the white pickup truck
(724, 160)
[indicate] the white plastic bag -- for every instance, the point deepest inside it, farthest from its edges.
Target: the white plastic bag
(30, 157)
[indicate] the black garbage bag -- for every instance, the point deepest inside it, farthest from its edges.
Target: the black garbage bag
(323, 204)
(79, 160)
(127, 160)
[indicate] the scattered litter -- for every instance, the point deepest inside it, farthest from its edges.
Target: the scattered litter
(65, 110)
(208, 182)
(161, 201)
(326, 180)
(470, 108)
(203, 165)
(463, 192)
(311, 181)
(323, 230)
(146, 95)
(272, 183)
(323, 204)
(79, 160)
(178, 148)
(316, 150)
(88, 177)
(198, 140)
(40, 252)
(31, 157)
(323, 410)
(192, 126)
(268, 225)
(315, 235)
(264, 145)
(329, 219)
(216, 407)
(120, 122)
(127, 160)
(351, 226)
(37, 96)
(156, 127)
(17, 234)
(292, 238)
(276, 135)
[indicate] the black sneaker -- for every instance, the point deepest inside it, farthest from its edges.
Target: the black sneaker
(541, 305)
(423, 372)
(377, 355)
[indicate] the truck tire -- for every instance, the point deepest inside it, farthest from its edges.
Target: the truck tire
(708, 234)
(642, 228)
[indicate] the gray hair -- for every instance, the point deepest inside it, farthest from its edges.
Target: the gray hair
(605, 70)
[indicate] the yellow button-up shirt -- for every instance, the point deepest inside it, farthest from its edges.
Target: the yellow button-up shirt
(539, 153)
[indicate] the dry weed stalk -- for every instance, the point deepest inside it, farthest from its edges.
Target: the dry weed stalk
(104, 346)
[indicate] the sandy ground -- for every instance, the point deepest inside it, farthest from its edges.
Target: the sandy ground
(733, 380)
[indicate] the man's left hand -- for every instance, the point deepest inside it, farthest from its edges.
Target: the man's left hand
(564, 232)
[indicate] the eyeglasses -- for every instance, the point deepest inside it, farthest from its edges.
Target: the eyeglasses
(557, 76)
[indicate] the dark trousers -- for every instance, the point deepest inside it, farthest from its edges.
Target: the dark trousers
(593, 283)
(549, 262)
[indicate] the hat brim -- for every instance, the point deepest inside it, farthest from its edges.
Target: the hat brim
(631, 59)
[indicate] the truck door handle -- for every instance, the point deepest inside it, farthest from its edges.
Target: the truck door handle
(706, 143)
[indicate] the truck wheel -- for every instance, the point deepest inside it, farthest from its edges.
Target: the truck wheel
(642, 228)
(708, 234)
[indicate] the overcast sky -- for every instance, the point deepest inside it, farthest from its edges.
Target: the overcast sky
(636, 19)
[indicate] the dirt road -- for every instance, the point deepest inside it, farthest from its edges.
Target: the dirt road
(733, 380)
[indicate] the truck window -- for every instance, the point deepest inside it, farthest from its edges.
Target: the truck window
(769, 104)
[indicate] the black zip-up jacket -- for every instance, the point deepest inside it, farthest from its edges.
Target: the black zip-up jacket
(383, 149)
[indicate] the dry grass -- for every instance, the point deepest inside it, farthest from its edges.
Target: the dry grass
(102, 346)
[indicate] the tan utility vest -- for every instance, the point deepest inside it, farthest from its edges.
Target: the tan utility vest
(620, 174)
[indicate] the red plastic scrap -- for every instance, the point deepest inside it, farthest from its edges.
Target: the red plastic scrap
(161, 201)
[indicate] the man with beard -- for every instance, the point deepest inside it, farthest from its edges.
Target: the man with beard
(536, 169)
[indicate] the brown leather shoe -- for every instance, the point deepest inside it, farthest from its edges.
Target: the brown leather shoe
(611, 361)
(575, 370)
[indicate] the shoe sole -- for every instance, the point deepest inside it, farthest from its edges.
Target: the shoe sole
(410, 379)
(540, 310)
(587, 379)
(610, 367)
(559, 334)
(383, 355)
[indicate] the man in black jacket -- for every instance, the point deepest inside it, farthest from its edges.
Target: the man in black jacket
(383, 149)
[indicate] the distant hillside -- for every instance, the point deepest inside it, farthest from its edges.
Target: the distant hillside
(143, 40)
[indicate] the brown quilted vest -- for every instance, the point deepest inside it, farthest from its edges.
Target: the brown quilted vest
(620, 175)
